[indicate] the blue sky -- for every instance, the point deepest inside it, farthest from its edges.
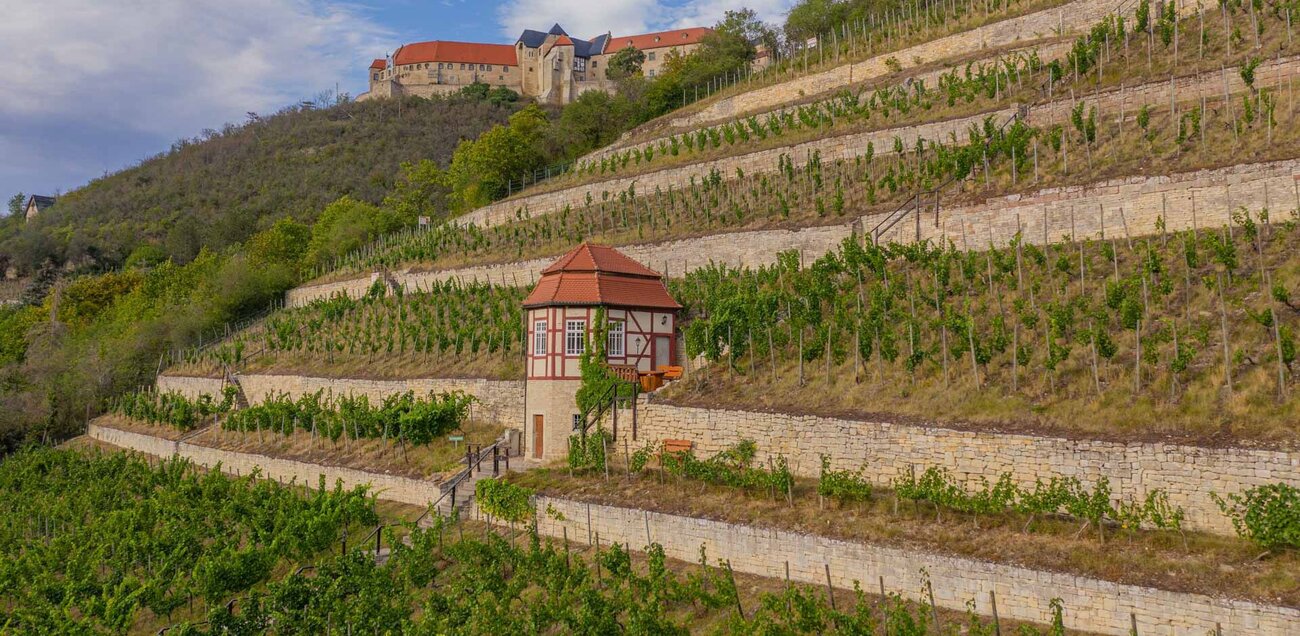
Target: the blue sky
(88, 87)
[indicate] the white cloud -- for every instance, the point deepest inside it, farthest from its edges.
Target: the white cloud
(709, 12)
(89, 85)
(585, 19)
(580, 18)
(173, 67)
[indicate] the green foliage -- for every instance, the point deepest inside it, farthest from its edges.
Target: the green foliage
(599, 384)
(281, 245)
(97, 543)
(504, 500)
(15, 323)
(220, 188)
(1269, 515)
(87, 297)
(172, 408)
(421, 190)
(401, 416)
(625, 63)
(588, 451)
(842, 485)
(16, 203)
(481, 168)
(1056, 496)
(347, 224)
(733, 467)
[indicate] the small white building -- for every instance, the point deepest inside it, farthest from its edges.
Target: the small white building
(642, 318)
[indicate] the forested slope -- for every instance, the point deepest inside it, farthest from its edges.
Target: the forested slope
(222, 186)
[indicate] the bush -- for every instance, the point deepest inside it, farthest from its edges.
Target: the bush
(1269, 515)
(504, 500)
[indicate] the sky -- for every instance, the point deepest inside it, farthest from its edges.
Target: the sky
(89, 87)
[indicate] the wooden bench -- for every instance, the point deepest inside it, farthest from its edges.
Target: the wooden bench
(677, 446)
(671, 372)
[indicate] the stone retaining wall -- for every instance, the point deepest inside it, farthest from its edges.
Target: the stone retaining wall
(1070, 18)
(500, 401)
(886, 450)
(1201, 199)
(190, 387)
(1111, 103)
(1022, 593)
(1129, 205)
(930, 78)
(416, 492)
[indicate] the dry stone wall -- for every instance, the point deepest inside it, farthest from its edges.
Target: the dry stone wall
(190, 387)
(830, 149)
(416, 492)
(1070, 18)
(929, 78)
(500, 401)
(1023, 594)
(1199, 199)
(1118, 207)
(1112, 103)
(886, 450)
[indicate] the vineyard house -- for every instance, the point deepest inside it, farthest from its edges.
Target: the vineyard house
(559, 311)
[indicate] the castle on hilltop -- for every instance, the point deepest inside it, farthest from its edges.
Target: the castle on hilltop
(551, 67)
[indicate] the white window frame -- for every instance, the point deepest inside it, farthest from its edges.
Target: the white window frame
(575, 337)
(616, 345)
(539, 337)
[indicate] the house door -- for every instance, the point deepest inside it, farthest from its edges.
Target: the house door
(537, 436)
(662, 345)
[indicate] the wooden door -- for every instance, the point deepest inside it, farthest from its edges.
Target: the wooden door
(537, 436)
(662, 349)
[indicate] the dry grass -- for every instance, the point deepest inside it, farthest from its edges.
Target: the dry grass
(1208, 564)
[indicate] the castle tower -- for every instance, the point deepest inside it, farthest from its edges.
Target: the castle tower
(642, 319)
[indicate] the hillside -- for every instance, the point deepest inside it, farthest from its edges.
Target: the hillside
(219, 188)
(989, 309)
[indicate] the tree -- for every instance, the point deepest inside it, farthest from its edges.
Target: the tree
(480, 169)
(812, 18)
(626, 63)
(284, 243)
(421, 190)
(594, 119)
(16, 204)
(346, 225)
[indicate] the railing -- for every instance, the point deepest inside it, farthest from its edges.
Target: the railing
(607, 403)
(473, 460)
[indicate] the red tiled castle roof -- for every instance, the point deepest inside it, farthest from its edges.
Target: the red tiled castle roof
(676, 37)
(379, 64)
(445, 51)
(597, 275)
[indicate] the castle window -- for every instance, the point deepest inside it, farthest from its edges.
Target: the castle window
(652, 72)
(650, 56)
(593, 63)
(575, 339)
(616, 338)
(539, 338)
